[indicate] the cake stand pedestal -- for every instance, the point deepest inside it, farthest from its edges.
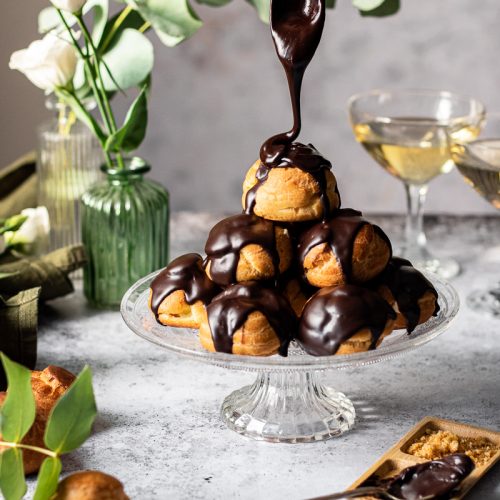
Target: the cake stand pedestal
(286, 403)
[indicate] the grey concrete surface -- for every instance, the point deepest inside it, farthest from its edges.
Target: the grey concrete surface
(159, 431)
(220, 94)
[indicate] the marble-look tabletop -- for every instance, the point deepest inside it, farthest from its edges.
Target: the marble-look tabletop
(159, 430)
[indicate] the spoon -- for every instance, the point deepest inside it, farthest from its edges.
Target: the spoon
(364, 491)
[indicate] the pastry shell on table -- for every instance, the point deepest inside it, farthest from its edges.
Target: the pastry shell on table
(369, 258)
(174, 310)
(255, 263)
(255, 338)
(289, 194)
(48, 386)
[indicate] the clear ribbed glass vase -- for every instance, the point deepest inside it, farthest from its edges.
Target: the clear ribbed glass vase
(125, 230)
(68, 163)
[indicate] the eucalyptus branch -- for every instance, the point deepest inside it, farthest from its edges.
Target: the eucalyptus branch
(88, 68)
(38, 449)
(116, 25)
(104, 96)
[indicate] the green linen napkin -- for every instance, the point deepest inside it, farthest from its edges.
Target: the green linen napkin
(18, 186)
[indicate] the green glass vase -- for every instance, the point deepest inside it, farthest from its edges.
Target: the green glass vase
(125, 230)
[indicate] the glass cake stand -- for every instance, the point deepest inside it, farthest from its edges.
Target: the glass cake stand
(287, 402)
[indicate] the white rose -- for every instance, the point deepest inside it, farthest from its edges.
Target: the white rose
(48, 63)
(69, 5)
(32, 236)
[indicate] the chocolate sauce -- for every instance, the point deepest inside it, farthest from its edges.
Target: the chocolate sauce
(296, 29)
(229, 236)
(408, 286)
(229, 311)
(308, 159)
(335, 314)
(185, 273)
(339, 233)
(436, 479)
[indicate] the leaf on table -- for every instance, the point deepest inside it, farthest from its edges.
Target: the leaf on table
(71, 419)
(130, 59)
(131, 134)
(386, 8)
(12, 482)
(173, 21)
(18, 410)
(48, 478)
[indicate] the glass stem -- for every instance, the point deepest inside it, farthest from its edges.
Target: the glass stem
(416, 241)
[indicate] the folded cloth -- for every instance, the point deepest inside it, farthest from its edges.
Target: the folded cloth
(18, 186)
(23, 282)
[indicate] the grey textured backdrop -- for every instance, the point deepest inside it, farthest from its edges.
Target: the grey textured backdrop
(220, 94)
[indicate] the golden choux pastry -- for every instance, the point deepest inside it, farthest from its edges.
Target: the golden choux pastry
(248, 319)
(297, 294)
(179, 293)
(245, 248)
(90, 485)
(288, 194)
(411, 294)
(344, 249)
(48, 386)
(344, 320)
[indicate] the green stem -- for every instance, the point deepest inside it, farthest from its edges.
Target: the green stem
(104, 96)
(144, 27)
(29, 447)
(119, 20)
(88, 68)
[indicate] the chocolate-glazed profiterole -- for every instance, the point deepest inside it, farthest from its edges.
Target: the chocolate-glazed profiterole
(343, 320)
(437, 479)
(248, 319)
(245, 247)
(292, 181)
(413, 295)
(178, 294)
(344, 249)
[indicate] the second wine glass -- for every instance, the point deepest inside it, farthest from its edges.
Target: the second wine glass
(407, 132)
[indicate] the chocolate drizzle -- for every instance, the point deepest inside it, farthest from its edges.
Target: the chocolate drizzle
(339, 233)
(229, 236)
(436, 479)
(408, 286)
(229, 311)
(335, 314)
(296, 29)
(185, 273)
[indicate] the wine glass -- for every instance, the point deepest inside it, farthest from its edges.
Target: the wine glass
(408, 133)
(479, 163)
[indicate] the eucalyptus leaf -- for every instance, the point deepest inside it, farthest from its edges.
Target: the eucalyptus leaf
(131, 134)
(263, 9)
(367, 4)
(48, 478)
(71, 419)
(214, 3)
(18, 410)
(173, 21)
(388, 8)
(111, 32)
(81, 113)
(12, 482)
(130, 59)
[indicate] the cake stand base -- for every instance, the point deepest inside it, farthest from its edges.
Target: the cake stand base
(288, 407)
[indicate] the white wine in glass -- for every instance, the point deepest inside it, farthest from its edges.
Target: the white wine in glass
(408, 134)
(479, 163)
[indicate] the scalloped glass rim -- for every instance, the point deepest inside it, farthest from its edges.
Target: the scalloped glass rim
(138, 317)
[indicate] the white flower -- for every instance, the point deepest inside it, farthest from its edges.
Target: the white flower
(32, 236)
(48, 63)
(69, 5)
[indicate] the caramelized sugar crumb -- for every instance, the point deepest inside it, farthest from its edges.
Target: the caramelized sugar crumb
(437, 444)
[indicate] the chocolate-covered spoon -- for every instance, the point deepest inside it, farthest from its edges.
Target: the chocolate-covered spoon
(296, 28)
